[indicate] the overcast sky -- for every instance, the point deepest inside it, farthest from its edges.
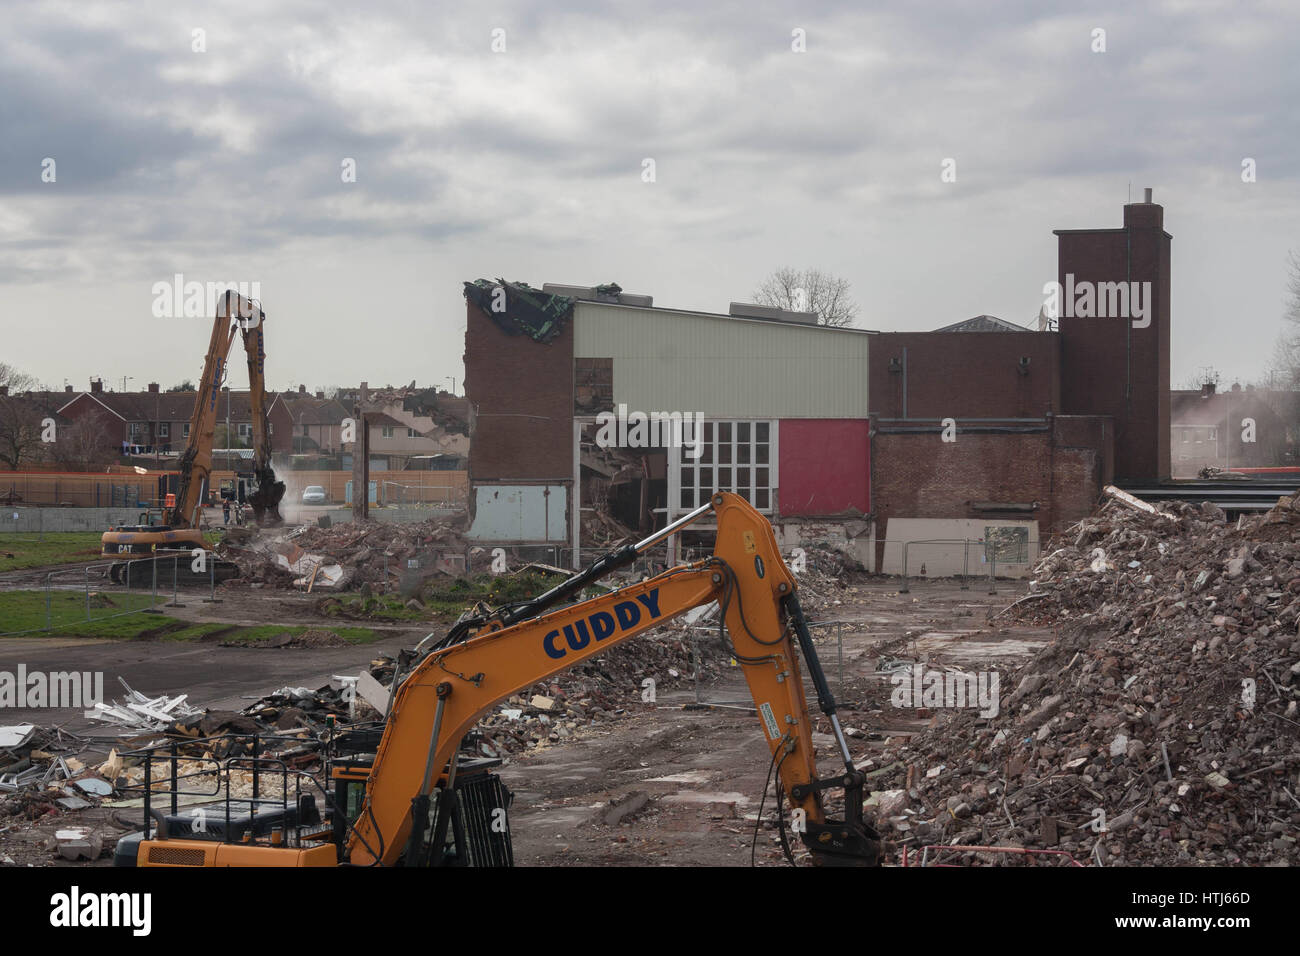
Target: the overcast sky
(226, 164)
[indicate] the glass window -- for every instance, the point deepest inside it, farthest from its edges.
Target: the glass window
(736, 456)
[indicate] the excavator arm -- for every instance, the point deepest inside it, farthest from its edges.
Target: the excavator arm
(265, 499)
(195, 463)
(471, 671)
(235, 314)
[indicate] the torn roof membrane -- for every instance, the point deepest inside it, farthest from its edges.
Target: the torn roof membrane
(539, 315)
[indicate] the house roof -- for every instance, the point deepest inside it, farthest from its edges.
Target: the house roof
(36, 403)
(983, 323)
(165, 406)
(309, 410)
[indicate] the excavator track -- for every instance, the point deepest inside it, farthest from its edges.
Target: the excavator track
(140, 572)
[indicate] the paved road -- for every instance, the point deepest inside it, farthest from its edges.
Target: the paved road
(213, 676)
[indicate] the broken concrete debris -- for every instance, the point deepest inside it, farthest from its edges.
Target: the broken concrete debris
(339, 557)
(1160, 726)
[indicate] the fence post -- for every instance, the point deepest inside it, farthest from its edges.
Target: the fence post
(695, 652)
(175, 567)
(903, 589)
(965, 564)
(87, 595)
(153, 600)
(212, 578)
(48, 584)
(839, 640)
(993, 570)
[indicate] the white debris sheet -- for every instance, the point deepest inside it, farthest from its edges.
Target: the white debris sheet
(16, 735)
(311, 568)
(138, 713)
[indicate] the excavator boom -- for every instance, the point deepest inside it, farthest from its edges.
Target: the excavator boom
(454, 686)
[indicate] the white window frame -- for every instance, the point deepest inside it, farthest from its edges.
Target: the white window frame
(164, 430)
(412, 433)
(185, 433)
(678, 459)
(245, 430)
(388, 431)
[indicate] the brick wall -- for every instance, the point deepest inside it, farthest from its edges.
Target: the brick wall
(521, 395)
(1062, 466)
(966, 374)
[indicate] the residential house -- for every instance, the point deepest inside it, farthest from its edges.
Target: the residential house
(1237, 428)
(154, 422)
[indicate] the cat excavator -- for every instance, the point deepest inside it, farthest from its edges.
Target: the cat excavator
(139, 546)
(408, 795)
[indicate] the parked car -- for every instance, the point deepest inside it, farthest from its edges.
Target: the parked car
(314, 495)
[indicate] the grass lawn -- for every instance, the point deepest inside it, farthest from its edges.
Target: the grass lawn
(25, 611)
(18, 551)
(381, 607)
(254, 635)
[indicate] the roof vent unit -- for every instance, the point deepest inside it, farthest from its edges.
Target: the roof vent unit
(752, 310)
(610, 293)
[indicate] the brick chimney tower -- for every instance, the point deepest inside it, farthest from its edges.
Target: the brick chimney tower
(1118, 365)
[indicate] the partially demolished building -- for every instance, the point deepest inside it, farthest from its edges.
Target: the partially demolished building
(857, 439)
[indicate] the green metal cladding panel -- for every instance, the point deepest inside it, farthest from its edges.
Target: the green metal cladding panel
(725, 367)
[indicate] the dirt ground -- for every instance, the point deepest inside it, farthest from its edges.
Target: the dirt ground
(703, 768)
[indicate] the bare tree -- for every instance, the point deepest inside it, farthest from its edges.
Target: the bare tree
(223, 438)
(1285, 366)
(20, 432)
(15, 380)
(20, 419)
(809, 290)
(84, 445)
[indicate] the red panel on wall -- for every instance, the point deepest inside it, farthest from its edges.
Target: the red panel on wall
(825, 466)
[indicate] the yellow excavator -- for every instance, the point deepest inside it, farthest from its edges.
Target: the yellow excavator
(139, 546)
(405, 794)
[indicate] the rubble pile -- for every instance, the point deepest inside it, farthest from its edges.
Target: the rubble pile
(826, 576)
(624, 678)
(40, 776)
(1159, 728)
(603, 531)
(368, 552)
